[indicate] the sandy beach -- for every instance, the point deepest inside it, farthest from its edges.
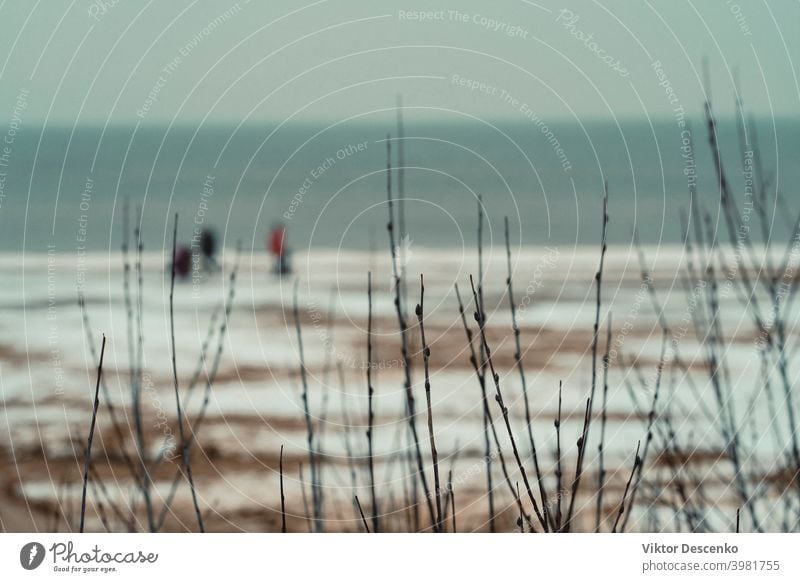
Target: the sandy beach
(255, 405)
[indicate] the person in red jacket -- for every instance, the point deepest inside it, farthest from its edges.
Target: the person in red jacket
(276, 245)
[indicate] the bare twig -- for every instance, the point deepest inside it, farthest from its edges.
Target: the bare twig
(361, 511)
(87, 463)
(651, 417)
(100, 487)
(452, 498)
(581, 444)
(185, 460)
(559, 472)
(583, 441)
(601, 470)
(636, 463)
(480, 368)
(521, 368)
(109, 405)
(307, 415)
(370, 411)
(136, 379)
(401, 200)
(210, 378)
(283, 499)
(426, 355)
(480, 317)
(488, 426)
(411, 409)
(346, 425)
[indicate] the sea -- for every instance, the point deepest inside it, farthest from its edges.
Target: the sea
(67, 188)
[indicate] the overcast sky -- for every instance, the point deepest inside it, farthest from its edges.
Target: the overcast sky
(218, 61)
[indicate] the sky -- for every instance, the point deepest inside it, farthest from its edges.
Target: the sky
(129, 61)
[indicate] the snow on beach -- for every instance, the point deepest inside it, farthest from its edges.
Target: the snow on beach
(47, 370)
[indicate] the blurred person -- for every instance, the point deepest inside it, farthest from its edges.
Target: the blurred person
(183, 261)
(208, 249)
(276, 245)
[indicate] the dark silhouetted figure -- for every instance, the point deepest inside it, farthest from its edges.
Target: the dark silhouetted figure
(208, 248)
(183, 261)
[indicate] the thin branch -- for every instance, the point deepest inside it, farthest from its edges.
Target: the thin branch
(452, 498)
(581, 444)
(411, 409)
(480, 368)
(136, 379)
(601, 471)
(559, 472)
(426, 355)
(361, 511)
(521, 368)
(370, 411)
(109, 405)
(583, 441)
(307, 415)
(488, 425)
(651, 417)
(210, 378)
(636, 463)
(283, 499)
(87, 463)
(480, 317)
(187, 466)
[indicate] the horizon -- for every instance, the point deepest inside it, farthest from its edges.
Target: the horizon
(725, 119)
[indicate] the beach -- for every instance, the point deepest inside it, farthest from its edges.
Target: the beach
(255, 405)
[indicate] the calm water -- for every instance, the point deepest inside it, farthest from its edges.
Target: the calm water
(64, 186)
